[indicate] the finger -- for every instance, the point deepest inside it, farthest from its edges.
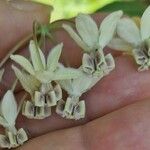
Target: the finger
(16, 23)
(127, 128)
(16, 19)
(122, 87)
(71, 54)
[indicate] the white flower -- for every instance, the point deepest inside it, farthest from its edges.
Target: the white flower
(131, 38)
(93, 40)
(44, 71)
(8, 116)
(73, 108)
(39, 79)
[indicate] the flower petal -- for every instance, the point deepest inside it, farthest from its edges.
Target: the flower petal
(108, 28)
(36, 58)
(119, 44)
(145, 24)
(23, 62)
(53, 57)
(28, 82)
(66, 74)
(128, 31)
(9, 108)
(76, 38)
(87, 29)
(1, 74)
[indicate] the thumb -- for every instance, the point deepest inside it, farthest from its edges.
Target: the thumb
(16, 19)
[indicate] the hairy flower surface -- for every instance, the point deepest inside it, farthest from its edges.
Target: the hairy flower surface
(133, 39)
(93, 40)
(8, 116)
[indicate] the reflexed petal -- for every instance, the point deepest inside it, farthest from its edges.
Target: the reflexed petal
(145, 24)
(23, 62)
(119, 44)
(1, 74)
(87, 29)
(108, 28)
(67, 73)
(36, 58)
(75, 37)
(53, 57)
(3, 122)
(29, 83)
(128, 31)
(9, 108)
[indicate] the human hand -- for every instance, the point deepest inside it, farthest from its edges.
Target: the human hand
(117, 107)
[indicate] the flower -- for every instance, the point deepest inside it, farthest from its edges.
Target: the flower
(44, 71)
(40, 80)
(8, 116)
(74, 108)
(134, 39)
(93, 40)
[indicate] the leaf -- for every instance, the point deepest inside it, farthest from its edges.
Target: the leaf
(23, 62)
(36, 56)
(145, 24)
(108, 28)
(28, 82)
(53, 57)
(128, 31)
(9, 108)
(87, 29)
(126, 7)
(76, 37)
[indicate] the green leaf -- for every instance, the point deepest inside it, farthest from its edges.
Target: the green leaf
(132, 8)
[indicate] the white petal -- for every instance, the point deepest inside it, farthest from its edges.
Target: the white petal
(29, 84)
(128, 31)
(87, 29)
(22, 61)
(1, 74)
(145, 24)
(66, 74)
(108, 28)
(53, 57)
(75, 37)
(3, 122)
(35, 56)
(9, 108)
(119, 44)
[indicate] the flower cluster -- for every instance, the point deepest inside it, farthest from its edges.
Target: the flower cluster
(134, 39)
(45, 79)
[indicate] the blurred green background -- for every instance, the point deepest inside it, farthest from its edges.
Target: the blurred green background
(70, 8)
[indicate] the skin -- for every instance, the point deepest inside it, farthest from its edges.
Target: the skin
(117, 107)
